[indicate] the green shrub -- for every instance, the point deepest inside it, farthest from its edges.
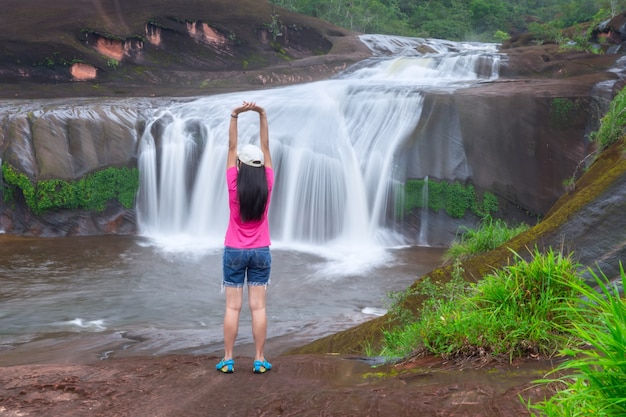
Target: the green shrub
(97, 189)
(500, 36)
(53, 194)
(113, 63)
(20, 181)
(91, 192)
(455, 198)
(545, 33)
(562, 112)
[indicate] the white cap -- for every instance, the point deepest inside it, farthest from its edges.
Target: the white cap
(251, 155)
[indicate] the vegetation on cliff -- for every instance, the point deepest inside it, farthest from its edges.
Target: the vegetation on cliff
(91, 192)
(484, 20)
(454, 198)
(613, 124)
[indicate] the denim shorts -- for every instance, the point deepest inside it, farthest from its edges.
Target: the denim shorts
(253, 264)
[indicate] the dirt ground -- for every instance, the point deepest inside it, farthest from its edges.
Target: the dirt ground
(298, 385)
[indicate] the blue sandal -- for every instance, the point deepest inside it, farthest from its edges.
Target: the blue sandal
(226, 366)
(260, 367)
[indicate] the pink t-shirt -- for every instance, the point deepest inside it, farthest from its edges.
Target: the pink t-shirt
(254, 234)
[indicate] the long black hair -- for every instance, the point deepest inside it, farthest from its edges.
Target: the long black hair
(252, 192)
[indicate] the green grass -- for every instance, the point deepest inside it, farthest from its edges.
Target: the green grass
(613, 123)
(489, 234)
(513, 312)
(595, 377)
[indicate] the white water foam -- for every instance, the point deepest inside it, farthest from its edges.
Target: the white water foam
(85, 325)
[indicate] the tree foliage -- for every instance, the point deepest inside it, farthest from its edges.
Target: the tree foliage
(453, 19)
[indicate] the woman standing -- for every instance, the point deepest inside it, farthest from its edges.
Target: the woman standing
(250, 177)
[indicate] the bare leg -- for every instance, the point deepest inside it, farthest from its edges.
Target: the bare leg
(231, 319)
(256, 298)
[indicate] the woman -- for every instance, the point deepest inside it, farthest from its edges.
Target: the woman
(250, 178)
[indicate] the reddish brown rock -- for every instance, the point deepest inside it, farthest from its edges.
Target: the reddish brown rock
(83, 72)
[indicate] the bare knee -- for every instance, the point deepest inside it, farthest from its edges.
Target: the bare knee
(234, 299)
(256, 298)
(256, 305)
(233, 309)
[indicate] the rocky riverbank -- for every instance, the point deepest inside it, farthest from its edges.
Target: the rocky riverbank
(298, 385)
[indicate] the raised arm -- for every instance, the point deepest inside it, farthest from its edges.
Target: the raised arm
(264, 136)
(233, 134)
(231, 159)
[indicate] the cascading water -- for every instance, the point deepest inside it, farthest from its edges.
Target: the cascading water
(334, 147)
(423, 239)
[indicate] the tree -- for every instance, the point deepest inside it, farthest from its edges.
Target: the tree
(486, 15)
(451, 19)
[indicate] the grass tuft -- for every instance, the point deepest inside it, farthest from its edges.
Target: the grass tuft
(595, 377)
(513, 312)
(489, 234)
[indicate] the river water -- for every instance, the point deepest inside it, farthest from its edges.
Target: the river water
(89, 297)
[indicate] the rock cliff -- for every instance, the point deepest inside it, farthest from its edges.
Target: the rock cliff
(524, 136)
(163, 48)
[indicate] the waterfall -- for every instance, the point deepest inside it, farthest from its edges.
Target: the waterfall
(334, 148)
(423, 234)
